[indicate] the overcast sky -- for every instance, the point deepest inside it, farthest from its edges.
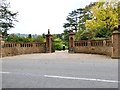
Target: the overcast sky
(37, 16)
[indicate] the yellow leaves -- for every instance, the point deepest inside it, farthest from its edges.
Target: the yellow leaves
(114, 0)
(108, 0)
(91, 24)
(103, 16)
(98, 13)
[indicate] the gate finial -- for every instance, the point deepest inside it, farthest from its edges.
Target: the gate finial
(48, 31)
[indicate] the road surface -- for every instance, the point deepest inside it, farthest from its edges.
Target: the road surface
(59, 70)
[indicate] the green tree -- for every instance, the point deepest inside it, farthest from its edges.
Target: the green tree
(12, 38)
(96, 20)
(76, 20)
(7, 18)
(58, 44)
(29, 36)
(84, 15)
(71, 21)
(39, 39)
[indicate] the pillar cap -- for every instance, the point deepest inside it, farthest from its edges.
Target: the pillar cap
(71, 33)
(116, 32)
(48, 35)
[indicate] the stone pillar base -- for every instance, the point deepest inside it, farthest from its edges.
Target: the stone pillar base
(115, 57)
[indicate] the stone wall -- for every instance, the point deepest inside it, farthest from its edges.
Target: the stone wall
(15, 48)
(94, 47)
(105, 47)
(12, 49)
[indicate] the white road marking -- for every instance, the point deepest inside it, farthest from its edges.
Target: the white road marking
(5, 72)
(76, 78)
(70, 78)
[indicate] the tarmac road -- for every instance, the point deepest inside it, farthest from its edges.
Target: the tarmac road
(59, 70)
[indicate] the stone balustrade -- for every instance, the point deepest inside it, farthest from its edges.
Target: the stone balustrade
(105, 47)
(109, 43)
(93, 43)
(25, 44)
(18, 48)
(13, 48)
(81, 43)
(93, 47)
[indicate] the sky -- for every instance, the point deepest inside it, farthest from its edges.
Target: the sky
(37, 16)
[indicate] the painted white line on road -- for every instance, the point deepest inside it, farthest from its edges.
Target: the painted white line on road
(76, 78)
(69, 78)
(5, 72)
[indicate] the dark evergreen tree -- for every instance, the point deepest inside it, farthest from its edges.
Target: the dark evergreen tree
(7, 18)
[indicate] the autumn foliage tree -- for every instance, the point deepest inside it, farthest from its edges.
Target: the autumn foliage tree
(105, 17)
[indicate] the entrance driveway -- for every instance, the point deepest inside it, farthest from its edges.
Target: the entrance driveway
(59, 70)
